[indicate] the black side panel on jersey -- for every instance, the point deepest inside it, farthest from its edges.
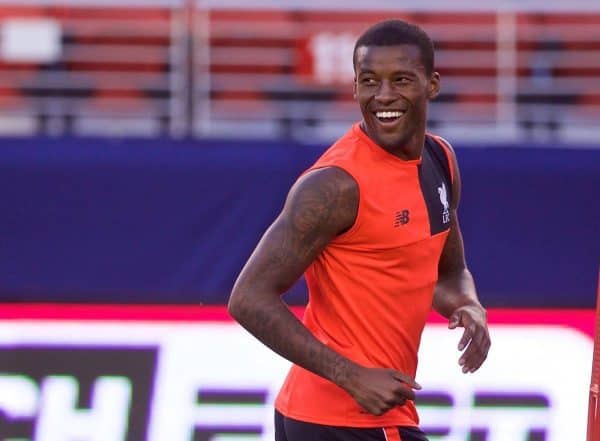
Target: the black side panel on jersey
(436, 185)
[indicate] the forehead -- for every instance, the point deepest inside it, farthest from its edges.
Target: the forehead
(402, 56)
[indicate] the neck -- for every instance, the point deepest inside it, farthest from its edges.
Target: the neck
(408, 150)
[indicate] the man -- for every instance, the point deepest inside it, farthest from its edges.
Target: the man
(373, 225)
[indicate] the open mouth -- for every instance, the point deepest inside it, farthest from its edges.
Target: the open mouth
(389, 116)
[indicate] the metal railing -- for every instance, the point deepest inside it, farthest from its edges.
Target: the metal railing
(106, 70)
(232, 68)
(506, 75)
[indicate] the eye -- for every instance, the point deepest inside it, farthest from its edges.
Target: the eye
(403, 80)
(368, 81)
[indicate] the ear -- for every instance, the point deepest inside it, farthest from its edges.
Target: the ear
(354, 87)
(434, 86)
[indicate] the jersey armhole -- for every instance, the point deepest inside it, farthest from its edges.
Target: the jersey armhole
(446, 148)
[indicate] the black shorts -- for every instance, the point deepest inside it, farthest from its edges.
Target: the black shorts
(288, 429)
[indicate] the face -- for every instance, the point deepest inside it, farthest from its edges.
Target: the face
(392, 90)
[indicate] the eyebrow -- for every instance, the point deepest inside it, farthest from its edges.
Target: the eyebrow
(396, 72)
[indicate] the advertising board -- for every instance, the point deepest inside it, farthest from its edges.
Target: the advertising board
(183, 373)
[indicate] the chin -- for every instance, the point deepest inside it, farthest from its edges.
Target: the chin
(393, 141)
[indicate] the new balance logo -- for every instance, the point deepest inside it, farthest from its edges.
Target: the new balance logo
(402, 218)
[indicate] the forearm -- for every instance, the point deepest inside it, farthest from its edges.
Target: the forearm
(454, 291)
(270, 320)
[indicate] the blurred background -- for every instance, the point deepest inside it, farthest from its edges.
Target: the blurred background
(145, 145)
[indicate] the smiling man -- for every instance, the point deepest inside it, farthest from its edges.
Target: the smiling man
(373, 226)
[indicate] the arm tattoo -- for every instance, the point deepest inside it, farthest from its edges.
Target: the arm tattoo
(321, 205)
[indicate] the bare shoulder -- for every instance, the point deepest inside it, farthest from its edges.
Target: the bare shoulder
(325, 199)
(320, 205)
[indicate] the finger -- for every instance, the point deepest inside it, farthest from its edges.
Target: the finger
(475, 362)
(407, 394)
(403, 393)
(377, 409)
(478, 365)
(400, 376)
(470, 359)
(401, 402)
(485, 347)
(454, 321)
(476, 352)
(464, 340)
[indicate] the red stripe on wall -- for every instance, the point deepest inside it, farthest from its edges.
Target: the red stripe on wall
(581, 319)
(72, 311)
(48, 311)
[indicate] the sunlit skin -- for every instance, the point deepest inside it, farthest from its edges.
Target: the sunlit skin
(323, 204)
(393, 78)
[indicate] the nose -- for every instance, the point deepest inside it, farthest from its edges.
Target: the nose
(385, 93)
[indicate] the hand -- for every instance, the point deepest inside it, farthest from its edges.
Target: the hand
(377, 390)
(476, 337)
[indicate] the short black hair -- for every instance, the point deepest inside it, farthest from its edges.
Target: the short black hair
(393, 32)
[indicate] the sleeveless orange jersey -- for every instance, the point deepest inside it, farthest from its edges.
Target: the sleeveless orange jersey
(371, 289)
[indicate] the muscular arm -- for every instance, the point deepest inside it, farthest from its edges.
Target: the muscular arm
(321, 205)
(455, 287)
(455, 296)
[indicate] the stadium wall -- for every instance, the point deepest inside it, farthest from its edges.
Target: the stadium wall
(163, 221)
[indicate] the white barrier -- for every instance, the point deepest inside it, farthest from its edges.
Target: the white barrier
(108, 380)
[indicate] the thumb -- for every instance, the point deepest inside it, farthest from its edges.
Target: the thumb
(400, 376)
(454, 320)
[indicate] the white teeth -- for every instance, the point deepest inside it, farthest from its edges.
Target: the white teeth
(394, 114)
